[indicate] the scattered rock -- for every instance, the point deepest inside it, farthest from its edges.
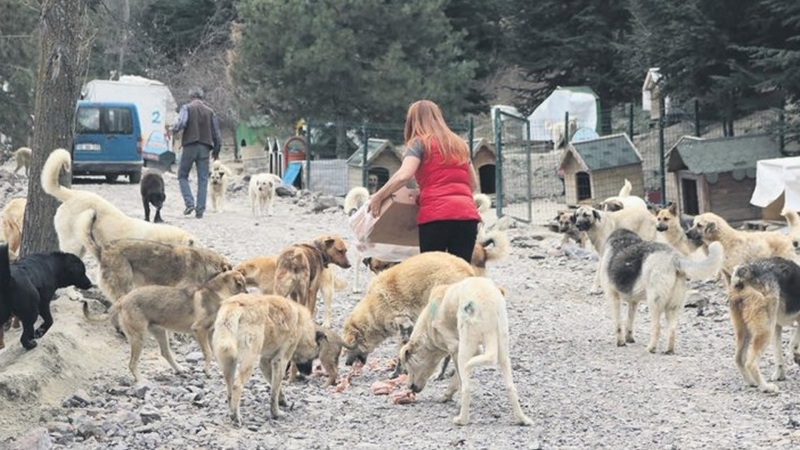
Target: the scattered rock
(286, 190)
(325, 202)
(79, 399)
(149, 415)
(194, 357)
(141, 390)
(36, 439)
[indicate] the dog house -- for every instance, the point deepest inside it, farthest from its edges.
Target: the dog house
(717, 175)
(383, 160)
(483, 160)
(596, 169)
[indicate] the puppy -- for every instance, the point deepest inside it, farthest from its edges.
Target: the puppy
(111, 223)
(262, 193)
(259, 272)
(126, 264)
(740, 246)
(396, 296)
(569, 230)
(764, 297)
(330, 349)
(633, 270)
(266, 329)
(458, 320)
(28, 286)
(152, 190)
(623, 200)
(299, 270)
(12, 217)
(218, 185)
(23, 159)
(160, 309)
(598, 225)
(670, 226)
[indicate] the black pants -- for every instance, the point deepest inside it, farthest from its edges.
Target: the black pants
(456, 237)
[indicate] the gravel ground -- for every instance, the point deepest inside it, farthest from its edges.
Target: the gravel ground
(580, 390)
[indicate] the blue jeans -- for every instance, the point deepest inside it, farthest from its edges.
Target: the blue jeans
(197, 154)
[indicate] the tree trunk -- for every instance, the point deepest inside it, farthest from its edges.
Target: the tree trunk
(341, 139)
(126, 17)
(56, 93)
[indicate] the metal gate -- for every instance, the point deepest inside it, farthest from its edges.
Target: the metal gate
(513, 166)
(530, 187)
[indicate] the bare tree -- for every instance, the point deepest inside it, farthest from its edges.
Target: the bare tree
(56, 94)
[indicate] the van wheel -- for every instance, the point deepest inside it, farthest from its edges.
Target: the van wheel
(135, 177)
(112, 177)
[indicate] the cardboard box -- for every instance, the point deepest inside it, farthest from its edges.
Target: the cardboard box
(396, 225)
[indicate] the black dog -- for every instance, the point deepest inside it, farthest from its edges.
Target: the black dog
(152, 190)
(28, 286)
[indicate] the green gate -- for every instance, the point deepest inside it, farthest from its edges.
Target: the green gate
(513, 166)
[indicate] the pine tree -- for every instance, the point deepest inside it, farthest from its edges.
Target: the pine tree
(18, 21)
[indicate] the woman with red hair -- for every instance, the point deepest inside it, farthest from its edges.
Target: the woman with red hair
(438, 159)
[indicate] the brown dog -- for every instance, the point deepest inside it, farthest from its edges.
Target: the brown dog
(163, 308)
(299, 268)
(268, 330)
(669, 226)
(260, 273)
(763, 298)
(330, 349)
(568, 229)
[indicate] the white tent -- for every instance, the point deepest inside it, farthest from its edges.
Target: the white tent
(580, 105)
(775, 177)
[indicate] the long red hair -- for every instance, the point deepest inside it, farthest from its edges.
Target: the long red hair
(424, 122)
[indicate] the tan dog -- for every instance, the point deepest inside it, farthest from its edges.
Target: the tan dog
(764, 297)
(12, 216)
(161, 309)
(299, 270)
(130, 263)
(740, 246)
(23, 159)
(569, 230)
(397, 296)
(668, 224)
(459, 319)
(260, 273)
(266, 329)
(77, 207)
(218, 185)
(599, 225)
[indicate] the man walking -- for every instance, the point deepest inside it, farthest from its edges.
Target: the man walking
(201, 137)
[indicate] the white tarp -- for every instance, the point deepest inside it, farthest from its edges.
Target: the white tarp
(153, 100)
(580, 105)
(775, 177)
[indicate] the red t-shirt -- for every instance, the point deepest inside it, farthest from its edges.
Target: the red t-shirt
(444, 189)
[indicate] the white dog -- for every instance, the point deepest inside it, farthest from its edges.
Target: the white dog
(459, 319)
(218, 185)
(262, 193)
(623, 200)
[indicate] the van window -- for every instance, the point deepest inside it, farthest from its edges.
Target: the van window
(118, 121)
(88, 121)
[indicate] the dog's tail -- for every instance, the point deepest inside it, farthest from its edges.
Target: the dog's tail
(793, 220)
(482, 202)
(58, 160)
(85, 223)
(496, 245)
(355, 199)
(100, 318)
(704, 268)
(226, 334)
(5, 273)
(625, 191)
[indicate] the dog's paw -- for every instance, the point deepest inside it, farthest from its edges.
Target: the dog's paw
(458, 420)
(29, 345)
(670, 351)
(652, 348)
(524, 421)
(445, 398)
(620, 343)
(768, 388)
(595, 291)
(629, 339)
(39, 332)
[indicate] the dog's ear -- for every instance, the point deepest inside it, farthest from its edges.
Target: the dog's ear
(673, 208)
(406, 351)
(319, 337)
(329, 242)
(405, 326)
(366, 261)
(710, 227)
(596, 214)
(574, 217)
